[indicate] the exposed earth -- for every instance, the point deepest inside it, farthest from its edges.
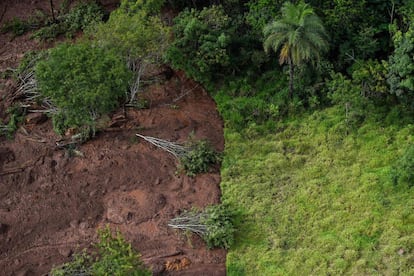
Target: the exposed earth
(52, 202)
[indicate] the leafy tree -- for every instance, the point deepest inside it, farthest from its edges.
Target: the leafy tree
(299, 34)
(137, 35)
(201, 41)
(261, 12)
(401, 66)
(82, 81)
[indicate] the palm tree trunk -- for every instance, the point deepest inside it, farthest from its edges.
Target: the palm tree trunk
(291, 74)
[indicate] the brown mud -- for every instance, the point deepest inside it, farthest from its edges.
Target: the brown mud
(52, 202)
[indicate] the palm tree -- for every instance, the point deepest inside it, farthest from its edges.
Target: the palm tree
(299, 34)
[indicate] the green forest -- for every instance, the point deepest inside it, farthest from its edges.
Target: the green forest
(317, 99)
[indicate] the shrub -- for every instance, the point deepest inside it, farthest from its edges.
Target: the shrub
(16, 115)
(199, 158)
(16, 26)
(77, 19)
(82, 81)
(216, 225)
(201, 41)
(137, 35)
(403, 170)
(114, 257)
(219, 220)
(19, 26)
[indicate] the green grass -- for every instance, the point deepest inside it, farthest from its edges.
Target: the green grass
(318, 201)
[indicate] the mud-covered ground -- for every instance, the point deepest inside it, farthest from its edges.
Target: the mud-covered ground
(52, 202)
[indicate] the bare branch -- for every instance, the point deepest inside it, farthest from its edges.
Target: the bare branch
(175, 149)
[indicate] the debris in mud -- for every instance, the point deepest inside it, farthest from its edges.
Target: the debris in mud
(142, 183)
(177, 264)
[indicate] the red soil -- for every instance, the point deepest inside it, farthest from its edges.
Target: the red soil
(51, 204)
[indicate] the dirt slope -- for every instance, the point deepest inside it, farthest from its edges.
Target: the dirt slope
(52, 203)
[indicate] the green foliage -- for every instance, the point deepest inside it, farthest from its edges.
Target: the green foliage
(220, 222)
(299, 35)
(215, 224)
(371, 75)
(117, 257)
(16, 26)
(28, 62)
(16, 115)
(138, 35)
(133, 32)
(258, 103)
(82, 81)
(201, 41)
(114, 257)
(401, 67)
(199, 158)
(79, 18)
(151, 7)
(82, 16)
(403, 170)
(357, 29)
(345, 93)
(80, 265)
(19, 26)
(317, 201)
(262, 12)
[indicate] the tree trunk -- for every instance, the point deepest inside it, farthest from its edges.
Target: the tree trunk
(52, 9)
(291, 73)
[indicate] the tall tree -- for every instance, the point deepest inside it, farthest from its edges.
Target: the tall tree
(299, 34)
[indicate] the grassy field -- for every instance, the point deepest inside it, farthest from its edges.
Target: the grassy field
(317, 200)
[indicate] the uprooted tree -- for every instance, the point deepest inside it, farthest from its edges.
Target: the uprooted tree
(215, 225)
(194, 156)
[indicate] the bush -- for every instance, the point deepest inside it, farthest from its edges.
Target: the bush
(77, 19)
(114, 257)
(199, 159)
(403, 170)
(19, 26)
(219, 220)
(201, 41)
(137, 35)
(216, 225)
(16, 115)
(82, 81)
(16, 26)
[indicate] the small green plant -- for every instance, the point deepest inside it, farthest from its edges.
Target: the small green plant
(113, 256)
(16, 115)
(199, 157)
(16, 26)
(216, 225)
(19, 27)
